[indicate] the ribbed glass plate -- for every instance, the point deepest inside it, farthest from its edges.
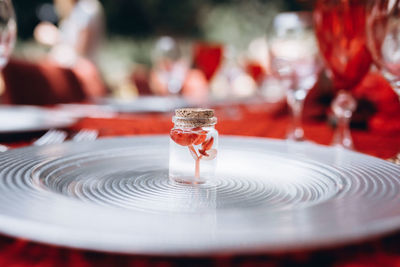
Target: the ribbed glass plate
(269, 195)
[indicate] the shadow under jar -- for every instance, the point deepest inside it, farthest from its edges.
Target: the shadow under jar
(193, 146)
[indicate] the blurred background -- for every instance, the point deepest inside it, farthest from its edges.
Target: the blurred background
(205, 53)
(133, 28)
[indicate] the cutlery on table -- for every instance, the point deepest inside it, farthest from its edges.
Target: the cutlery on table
(51, 137)
(85, 135)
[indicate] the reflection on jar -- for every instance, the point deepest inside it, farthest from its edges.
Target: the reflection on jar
(197, 199)
(193, 146)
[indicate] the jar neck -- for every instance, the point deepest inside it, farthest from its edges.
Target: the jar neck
(183, 122)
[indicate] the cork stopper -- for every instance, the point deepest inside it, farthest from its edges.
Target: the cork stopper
(194, 117)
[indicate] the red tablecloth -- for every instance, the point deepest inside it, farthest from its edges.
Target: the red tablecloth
(251, 120)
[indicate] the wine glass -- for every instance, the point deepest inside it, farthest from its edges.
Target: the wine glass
(383, 39)
(340, 30)
(294, 59)
(8, 31)
(208, 58)
(170, 63)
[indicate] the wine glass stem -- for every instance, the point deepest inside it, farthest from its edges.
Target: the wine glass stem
(296, 132)
(342, 135)
(343, 107)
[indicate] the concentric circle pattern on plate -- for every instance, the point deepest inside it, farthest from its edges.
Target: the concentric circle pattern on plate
(138, 181)
(115, 195)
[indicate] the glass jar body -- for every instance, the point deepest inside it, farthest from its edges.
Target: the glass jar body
(193, 154)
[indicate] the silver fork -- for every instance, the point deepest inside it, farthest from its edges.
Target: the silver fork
(51, 137)
(58, 136)
(85, 135)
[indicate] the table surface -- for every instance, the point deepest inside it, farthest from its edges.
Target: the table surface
(255, 119)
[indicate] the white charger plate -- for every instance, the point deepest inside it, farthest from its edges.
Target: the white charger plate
(19, 119)
(114, 195)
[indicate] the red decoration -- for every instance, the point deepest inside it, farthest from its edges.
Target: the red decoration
(208, 58)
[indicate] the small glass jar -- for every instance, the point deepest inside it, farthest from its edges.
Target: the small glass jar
(193, 146)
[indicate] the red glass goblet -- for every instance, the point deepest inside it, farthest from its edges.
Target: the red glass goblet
(208, 57)
(340, 29)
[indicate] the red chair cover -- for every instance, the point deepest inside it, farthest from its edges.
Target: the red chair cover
(46, 83)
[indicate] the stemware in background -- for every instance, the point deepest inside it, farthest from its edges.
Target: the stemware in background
(340, 30)
(8, 31)
(255, 61)
(294, 59)
(231, 82)
(383, 35)
(170, 65)
(208, 58)
(383, 39)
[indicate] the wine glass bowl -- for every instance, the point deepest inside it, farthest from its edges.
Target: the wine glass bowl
(340, 29)
(295, 61)
(208, 58)
(383, 36)
(170, 65)
(339, 26)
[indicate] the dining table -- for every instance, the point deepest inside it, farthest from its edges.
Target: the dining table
(248, 118)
